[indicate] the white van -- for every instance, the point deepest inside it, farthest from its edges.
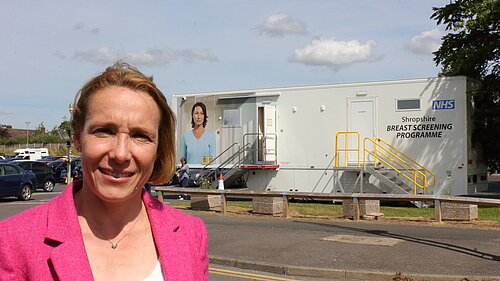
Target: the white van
(30, 153)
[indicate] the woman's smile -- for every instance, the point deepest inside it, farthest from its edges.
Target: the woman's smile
(115, 177)
(115, 174)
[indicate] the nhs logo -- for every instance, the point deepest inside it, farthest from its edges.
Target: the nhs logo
(443, 104)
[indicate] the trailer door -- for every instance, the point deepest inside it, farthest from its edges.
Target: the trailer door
(267, 128)
(361, 119)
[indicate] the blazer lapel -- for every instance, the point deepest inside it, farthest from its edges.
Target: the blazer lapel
(175, 263)
(68, 256)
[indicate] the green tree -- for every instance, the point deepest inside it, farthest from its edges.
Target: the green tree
(39, 136)
(471, 48)
(65, 124)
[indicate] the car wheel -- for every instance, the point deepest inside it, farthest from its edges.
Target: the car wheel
(48, 185)
(25, 193)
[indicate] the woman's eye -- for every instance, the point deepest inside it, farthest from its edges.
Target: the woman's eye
(142, 136)
(103, 131)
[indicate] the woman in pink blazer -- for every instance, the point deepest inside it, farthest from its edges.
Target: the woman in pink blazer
(107, 227)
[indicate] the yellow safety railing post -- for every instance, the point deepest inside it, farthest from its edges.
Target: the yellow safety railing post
(425, 184)
(359, 163)
(336, 149)
(415, 182)
(364, 153)
(346, 148)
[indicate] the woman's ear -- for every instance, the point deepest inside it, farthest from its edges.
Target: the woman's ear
(77, 141)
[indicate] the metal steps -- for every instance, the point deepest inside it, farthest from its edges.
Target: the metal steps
(391, 182)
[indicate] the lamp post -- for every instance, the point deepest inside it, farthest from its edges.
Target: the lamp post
(27, 137)
(65, 134)
(68, 144)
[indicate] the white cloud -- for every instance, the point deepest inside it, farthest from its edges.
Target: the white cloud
(60, 55)
(426, 42)
(78, 25)
(95, 31)
(157, 57)
(332, 53)
(279, 25)
(191, 54)
(4, 111)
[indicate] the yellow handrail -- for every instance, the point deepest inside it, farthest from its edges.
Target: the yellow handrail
(388, 157)
(419, 178)
(385, 153)
(346, 149)
(414, 180)
(413, 161)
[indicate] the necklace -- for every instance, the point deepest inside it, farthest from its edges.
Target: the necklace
(114, 245)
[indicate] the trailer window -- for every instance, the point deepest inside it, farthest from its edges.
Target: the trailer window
(407, 104)
(231, 118)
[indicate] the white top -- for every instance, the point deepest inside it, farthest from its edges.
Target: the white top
(156, 275)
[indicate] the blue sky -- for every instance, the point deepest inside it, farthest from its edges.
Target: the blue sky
(51, 48)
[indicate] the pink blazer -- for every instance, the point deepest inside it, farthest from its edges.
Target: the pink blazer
(46, 243)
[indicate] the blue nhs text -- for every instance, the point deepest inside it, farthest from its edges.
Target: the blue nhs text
(443, 104)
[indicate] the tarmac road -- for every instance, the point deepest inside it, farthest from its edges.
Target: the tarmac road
(354, 250)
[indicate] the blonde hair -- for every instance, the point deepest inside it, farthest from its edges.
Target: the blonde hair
(122, 74)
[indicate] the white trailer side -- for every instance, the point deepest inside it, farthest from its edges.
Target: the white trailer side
(290, 132)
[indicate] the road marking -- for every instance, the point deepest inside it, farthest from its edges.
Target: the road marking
(22, 203)
(367, 240)
(245, 275)
(32, 202)
(45, 193)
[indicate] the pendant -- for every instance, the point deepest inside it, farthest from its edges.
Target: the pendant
(114, 245)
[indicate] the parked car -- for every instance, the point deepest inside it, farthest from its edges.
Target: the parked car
(49, 159)
(9, 157)
(60, 165)
(76, 171)
(57, 167)
(44, 174)
(15, 181)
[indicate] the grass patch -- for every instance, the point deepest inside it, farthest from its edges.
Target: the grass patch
(316, 209)
(407, 212)
(241, 204)
(183, 204)
(489, 213)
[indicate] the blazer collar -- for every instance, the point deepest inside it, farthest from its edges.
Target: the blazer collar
(64, 237)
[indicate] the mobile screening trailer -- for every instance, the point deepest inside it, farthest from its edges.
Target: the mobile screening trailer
(403, 136)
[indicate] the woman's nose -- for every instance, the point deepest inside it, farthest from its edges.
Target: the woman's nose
(120, 152)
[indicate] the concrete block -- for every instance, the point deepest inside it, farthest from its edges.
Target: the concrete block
(366, 208)
(267, 205)
(454, 211)
(348, 208)
(369, 207)
(206, 202)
